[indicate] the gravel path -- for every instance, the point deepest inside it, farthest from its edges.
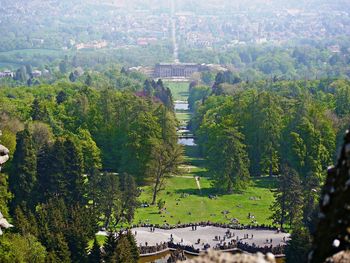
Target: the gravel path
(197, 181)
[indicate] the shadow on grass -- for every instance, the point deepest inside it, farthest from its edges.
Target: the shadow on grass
(200, 174)
(154, 213)
(265, 182)
(184, 93)
(192, 151)
(194, 156)
(204, 192)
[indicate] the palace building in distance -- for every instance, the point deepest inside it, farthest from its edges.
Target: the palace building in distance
(176, 70)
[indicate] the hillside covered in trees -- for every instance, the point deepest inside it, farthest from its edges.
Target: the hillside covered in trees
(78, 155)
(288, 129)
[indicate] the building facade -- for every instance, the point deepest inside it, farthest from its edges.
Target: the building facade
(180, 70)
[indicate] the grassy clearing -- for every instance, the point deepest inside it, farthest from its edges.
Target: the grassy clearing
(179, 90)
(183, 116)
(197, 206)
(185, 203)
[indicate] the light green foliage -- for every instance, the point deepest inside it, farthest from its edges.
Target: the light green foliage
(90, 152)
(21, 249)
(197, 93)
(224, 148)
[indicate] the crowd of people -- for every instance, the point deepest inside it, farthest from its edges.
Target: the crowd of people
(144, 250)
(251, 248)
(208, 223)
(276, 250)
(176, 256)
(226, 242)
(186, 248)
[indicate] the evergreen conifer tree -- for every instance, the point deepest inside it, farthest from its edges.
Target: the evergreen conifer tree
(23, 176)
(95, 255)
(133, 246)
(110, 247)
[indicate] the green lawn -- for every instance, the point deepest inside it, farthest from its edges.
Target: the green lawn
(185, 203)
(183, 116)
(179, 90)
(197, 206)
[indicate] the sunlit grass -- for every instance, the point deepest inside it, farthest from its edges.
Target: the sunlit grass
(197, 206)
(179, 90)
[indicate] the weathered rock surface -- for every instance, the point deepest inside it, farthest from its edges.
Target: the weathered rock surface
(212, 256)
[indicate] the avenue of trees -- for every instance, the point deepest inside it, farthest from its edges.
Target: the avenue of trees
(287, 129)
(78, 157)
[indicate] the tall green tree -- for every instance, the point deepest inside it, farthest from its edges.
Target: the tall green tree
(23, 176)
(129, 198)
(224, 148)
(299, 245)
(288, 204)
(165, 160)
(73, 172)
(95, 255)
(110, 246)
(263, 130)
(21, 249)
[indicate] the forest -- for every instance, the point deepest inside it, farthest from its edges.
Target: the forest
(286, 128)
(80, 153)
(78, 156)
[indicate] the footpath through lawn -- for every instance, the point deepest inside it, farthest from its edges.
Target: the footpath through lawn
(186, 203)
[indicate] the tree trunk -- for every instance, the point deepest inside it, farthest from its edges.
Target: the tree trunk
(270, 168)
(155, 191)
(108, 220)
(154, 196)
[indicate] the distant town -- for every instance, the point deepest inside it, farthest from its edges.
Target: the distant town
(115, 26)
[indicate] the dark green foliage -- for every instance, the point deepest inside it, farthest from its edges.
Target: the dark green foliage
(133, 246)
(332, 233)
(78, 231)
(109, 198)
(21, 74)
(52, 222)
(25, 222)
(109, 248)
(51, 173)
(152, 89)
(72, 77)
(147, 88)
(288, 204)
(23, 175)
(299, 245)
(65, 230)
(5, 195)
(95, 255)
(61, 97)
(197, 94)
(73, 172)
(88, 80)
(124, 250)
(130, 193)
(121, 248)
(263, 130)
(224, 148)
(63, 66)
(39, 111)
